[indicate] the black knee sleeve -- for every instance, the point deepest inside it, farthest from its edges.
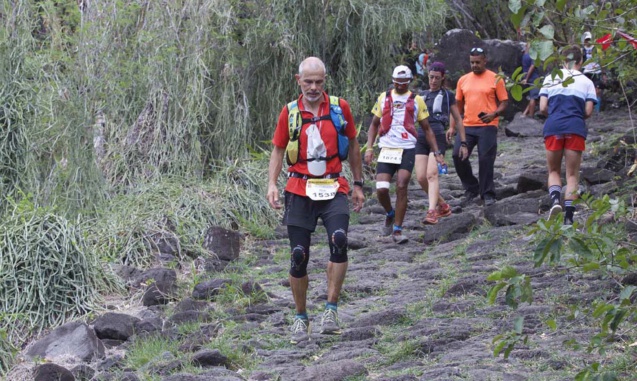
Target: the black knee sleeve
(298, 262)
(338, 246)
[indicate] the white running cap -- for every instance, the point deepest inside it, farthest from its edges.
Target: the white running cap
(402, 71)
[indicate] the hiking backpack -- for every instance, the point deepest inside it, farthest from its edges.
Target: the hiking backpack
(296, 121)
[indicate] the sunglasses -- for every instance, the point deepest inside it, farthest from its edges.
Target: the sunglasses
(402, 82)
(477, 51)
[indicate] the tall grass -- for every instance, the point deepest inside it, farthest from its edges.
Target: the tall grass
(129, 122)
(123, 93)
(48, 273)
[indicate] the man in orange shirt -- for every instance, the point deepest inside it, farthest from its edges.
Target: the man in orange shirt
(315, 188)
(481, 97)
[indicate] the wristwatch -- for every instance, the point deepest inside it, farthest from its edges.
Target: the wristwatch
(437, 153)
(463, 143)
(359, 183)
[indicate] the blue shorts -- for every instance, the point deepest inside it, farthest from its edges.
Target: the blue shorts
(534, 93)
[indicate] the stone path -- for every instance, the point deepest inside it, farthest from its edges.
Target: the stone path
(417, 311)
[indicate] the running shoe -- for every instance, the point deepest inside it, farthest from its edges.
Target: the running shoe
(399, 237)
(555, 210)
(300, 331)
(329, 323)
(431, 218)
(443, 210)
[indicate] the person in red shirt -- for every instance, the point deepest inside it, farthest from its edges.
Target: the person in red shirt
(482, 97)
(315, 188)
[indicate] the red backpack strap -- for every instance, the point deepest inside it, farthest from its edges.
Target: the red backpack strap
(385, 120)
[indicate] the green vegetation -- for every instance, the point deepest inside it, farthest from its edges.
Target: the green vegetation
(133, 124)
(48, 271)
(595, 247)
(599, 245)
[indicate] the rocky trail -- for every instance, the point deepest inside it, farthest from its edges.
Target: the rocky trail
(417, 311)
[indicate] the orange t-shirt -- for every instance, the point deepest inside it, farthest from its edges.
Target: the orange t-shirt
(328, 135)
(479, 94)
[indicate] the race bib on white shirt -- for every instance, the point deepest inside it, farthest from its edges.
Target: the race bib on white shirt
(397, 136)
(321, 189)
(391, 155)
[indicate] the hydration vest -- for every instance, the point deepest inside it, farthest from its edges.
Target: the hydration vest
(439, 116)
(296, 122)
(385, 121)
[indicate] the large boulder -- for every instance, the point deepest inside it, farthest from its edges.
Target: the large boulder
(523, 126)
(224, 243)
(160, 286)
(115, 326)
(454, 49)
(51, 372)
(73, 339)
(456, 44)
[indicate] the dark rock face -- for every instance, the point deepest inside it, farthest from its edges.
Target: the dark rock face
(454, 49)
(73, 339)
(597, 175)
(208, 358)
(208, 289)
(455, 46)
(161, 286)
(83, 372)
(531, 180)
(148, 325)
(522, 126)
(335, 371)
(115, 326)
(50, 372)
(224, 243)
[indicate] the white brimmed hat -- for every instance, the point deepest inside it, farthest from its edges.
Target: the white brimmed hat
(402, 71)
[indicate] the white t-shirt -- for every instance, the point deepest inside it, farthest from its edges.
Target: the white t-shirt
(591, 67)
(397, 136)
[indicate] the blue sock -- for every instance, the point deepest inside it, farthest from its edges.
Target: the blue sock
(598, 105)
(302, 316)
(331, 306)
(391, 213)
(398, 228)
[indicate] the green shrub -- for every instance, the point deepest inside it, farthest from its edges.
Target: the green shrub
(48, 274)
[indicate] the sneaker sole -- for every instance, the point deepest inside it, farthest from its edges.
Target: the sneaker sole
(331, 332)
(425, 222)
(555, 211)
(309, 337)
(445, 214)
(401, 240)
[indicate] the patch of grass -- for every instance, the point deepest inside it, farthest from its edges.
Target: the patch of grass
(233, 296)
(228, 342)
(138, 221)
(7, 351)
(398, 352)
(144, 351)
